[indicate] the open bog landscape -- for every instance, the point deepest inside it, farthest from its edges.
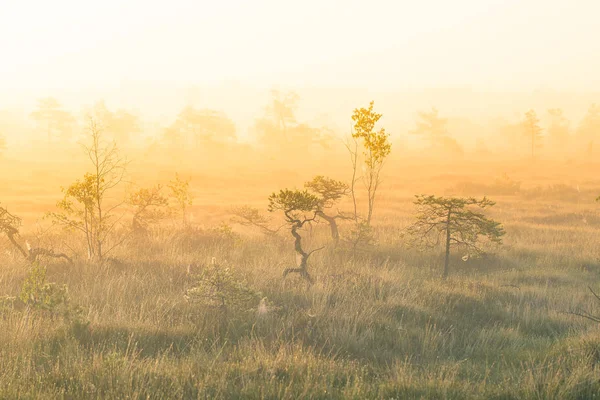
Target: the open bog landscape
(323, 199)
(378, 322)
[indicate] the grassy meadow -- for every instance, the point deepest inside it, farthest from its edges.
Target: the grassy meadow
(377, 323)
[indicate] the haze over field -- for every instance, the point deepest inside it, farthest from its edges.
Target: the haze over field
(155, 59)
(319, 199)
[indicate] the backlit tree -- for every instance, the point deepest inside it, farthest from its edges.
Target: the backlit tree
(330, 192)
(453, 222)
(299, 208)
(85, 206)
(376, 147)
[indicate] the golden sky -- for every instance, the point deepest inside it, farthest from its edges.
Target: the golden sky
(488, 44)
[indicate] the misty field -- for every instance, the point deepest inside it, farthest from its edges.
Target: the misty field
(378, 322)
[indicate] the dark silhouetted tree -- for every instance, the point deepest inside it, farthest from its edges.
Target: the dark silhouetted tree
(299, 208)
(452, 221)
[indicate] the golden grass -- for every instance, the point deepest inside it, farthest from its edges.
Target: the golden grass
(378, 325)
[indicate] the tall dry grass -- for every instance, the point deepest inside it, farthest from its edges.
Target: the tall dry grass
(380, 324)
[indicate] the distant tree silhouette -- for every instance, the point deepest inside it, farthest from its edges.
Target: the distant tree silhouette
(533, 131)
(279, 130)
(558, 131)
(201, 127)
(434, 129)
(120, 125)
(282, 109)
(589, 127)
(52, 119)
(449, 219)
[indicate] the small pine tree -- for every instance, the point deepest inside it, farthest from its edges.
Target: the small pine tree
(450, 220)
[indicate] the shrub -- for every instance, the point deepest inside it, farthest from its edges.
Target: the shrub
(220, 288)
(39, 295)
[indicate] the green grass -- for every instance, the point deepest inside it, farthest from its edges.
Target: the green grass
(378, 325)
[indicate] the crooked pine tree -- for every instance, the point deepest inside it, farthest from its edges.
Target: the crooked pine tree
(299, 208)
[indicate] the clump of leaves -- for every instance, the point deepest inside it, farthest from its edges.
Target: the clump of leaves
(329, 190)
(221, 288)
(293, 203)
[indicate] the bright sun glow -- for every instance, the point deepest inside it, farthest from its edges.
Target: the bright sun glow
(522, 44)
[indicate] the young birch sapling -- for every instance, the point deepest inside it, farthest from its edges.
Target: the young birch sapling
(85, 206)
(376, 149)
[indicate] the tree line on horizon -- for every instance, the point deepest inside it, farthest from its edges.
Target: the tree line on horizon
(279, 130)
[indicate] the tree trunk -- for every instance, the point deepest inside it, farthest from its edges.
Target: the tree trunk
(447, 258)
(16, 244)
(302, 268)
(335, 234)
